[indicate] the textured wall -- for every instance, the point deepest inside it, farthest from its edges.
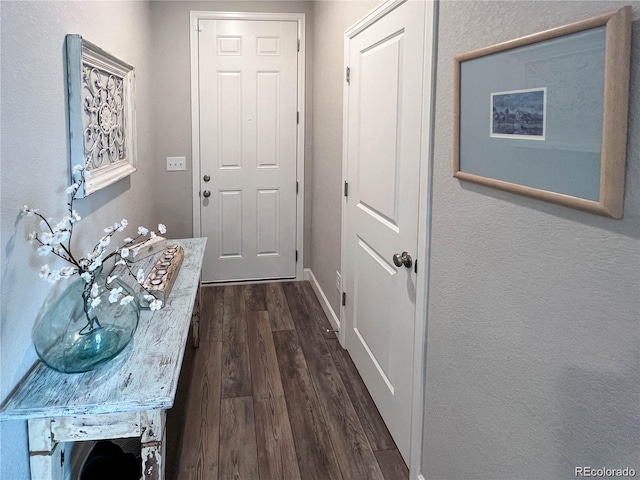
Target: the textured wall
(35, 166)
(332, 18)
(172, 115)
(534, 318)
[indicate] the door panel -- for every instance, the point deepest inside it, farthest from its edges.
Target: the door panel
(231, 223)
(268, 105)
(374, 277)
(268, 202)
(248, 141)
(230, 130)
(383, 169)
(380, 86)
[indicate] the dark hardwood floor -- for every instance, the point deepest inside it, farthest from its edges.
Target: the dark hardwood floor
(269, 395)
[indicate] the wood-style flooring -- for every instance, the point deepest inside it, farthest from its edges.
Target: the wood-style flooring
(270, 395)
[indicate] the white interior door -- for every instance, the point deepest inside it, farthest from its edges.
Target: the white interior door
(383, 142)
(248, 140)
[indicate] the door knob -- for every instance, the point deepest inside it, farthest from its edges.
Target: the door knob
(206, 193)
(206, 178)
(400, 259)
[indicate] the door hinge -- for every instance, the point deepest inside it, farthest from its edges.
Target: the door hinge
(298, 44)
(348, 76)
(346, 189)
(344, 298)
(296, 255)
(297, 118)
(297, 187)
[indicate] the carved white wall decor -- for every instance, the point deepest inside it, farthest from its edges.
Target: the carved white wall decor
(102, 123)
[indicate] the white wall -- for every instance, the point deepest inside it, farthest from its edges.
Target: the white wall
(172, 108)
(332, 18)
(34, 164)
(533, 353)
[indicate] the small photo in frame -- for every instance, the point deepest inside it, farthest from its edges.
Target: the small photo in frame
(519, 114)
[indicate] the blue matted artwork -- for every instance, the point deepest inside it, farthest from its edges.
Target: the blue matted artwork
(565, 158)
(545, 115)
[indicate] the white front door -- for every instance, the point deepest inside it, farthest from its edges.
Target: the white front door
(383, 140)
(248, 140)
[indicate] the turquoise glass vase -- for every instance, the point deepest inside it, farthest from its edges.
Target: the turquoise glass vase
(72, 336)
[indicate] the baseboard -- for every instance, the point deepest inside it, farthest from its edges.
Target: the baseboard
(420, 477)
(334, 320)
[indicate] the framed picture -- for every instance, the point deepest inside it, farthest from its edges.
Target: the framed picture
(102, 118)
(546, 115)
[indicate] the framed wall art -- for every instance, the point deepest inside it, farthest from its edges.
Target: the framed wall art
(546, 115)
(102, 118)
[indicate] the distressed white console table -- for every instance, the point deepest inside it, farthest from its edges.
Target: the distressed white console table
(127, 397)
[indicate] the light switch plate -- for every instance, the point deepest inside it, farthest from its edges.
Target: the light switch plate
(176, 163)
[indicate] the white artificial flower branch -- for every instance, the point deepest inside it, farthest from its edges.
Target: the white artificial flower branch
(57, 238)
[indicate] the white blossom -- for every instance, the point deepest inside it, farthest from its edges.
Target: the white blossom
(86, 276)
(43, 226)
(95, 290)
(45, 272)
(46, 238)
(108, 230)
(115, 293)
(155, 305)
(64, 224)
(44, 250)
(29, 212)
(60, 237)
(152, 235)
(128, 240)
(72, 188)
(140, 276)
(77, 168)
(126, 300)
(68, 271)
(95, 264)
(124, 253)
(111, 279)
(31, 237)
(75, 217)
(142, 230)
(54, 277)
(162, 228)
(148, 297)
(121, 262)
(95, 302)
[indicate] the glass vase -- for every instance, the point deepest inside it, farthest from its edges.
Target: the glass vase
(72, 336)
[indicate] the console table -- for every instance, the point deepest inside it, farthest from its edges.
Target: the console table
(126, 397)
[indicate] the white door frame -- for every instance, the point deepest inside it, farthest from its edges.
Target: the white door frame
(423, 255)
(195, 115)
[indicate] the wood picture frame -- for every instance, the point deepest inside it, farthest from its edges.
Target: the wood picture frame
(102, 117)
(564, 144)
